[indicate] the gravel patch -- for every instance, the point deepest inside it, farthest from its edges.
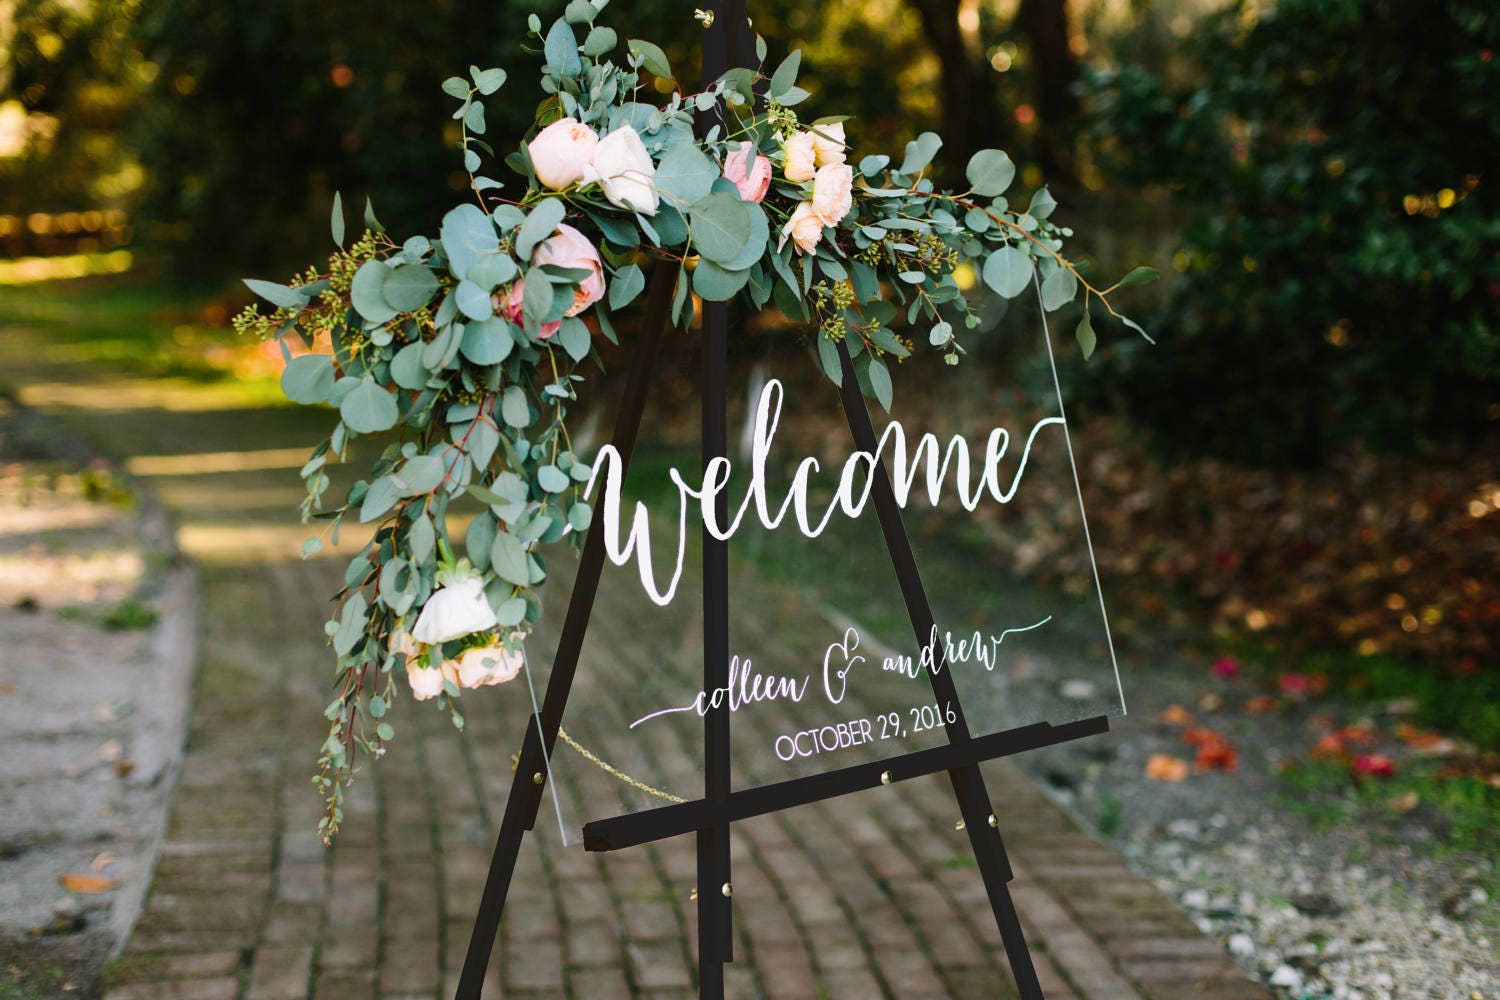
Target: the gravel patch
(1351, 911)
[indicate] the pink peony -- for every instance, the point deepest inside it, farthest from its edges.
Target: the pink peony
(833, 192)
(561, 152)
(751, 177)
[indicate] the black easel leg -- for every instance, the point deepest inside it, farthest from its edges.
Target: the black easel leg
(715, 914)
(968, 782)
(525, 791)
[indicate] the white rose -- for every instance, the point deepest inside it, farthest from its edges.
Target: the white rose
(457, 610)
(624, 169)
(828, 143)
(804, 227)
(801, 157)
(488, 665)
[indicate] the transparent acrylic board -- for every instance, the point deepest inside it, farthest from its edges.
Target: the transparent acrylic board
(636, 655)
(826, 670)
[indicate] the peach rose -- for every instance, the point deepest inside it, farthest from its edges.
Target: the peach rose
(488, 665)
(828, 144)
(804, 227)
(833, 192)
(749, 172)
(427, 682)
(801, 157)
(561, 151)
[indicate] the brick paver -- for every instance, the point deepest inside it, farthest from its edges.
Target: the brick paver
(865, 896)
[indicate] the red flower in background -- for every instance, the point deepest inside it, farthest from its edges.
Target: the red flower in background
(1374, 765)
(1227, 667)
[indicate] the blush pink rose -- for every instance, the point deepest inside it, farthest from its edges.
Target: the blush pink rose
(561, 152)
(804, 229)
(833, 192)
(566, 247)
(749, 172)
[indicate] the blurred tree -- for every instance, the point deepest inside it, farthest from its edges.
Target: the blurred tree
(68, 82)
(1341, 273)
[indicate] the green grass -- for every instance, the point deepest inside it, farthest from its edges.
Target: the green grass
(1461, 810)
(143, 327)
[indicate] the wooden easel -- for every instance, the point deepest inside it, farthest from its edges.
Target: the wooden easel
(709, 818)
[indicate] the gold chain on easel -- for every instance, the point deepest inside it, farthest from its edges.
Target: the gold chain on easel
(610, 769)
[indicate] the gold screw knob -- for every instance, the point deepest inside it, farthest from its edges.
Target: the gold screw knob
(960, 825)
(693, 895)
(993, 824)
(727, 890)
(705, 17)
(538, 778)
(885, 777)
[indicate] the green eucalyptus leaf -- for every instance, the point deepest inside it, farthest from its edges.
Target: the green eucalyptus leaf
(514, 408)
(369, 409)
(1058, 288)
(1085, 334)
(990, 172)
(467, 232)
(685, 174)
(599, 41)
(652, 58)
(487, 342)
(714, 284)
(540, 224)
(1142, 275)
(308, 379)
(785, 76)
(628, 283)
(561, 49)
(920, 151)
(720, 225)
(336, 221)
(473, 301)
(1008, 271)
(574, 337)
(407, 369)
(278, 295)
(509, 560)
(409, 287)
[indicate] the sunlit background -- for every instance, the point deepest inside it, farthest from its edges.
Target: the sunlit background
(1296, 490)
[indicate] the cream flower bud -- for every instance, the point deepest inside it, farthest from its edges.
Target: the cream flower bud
(455, 611)
(561, 152)
(624, 169)
(801, 157)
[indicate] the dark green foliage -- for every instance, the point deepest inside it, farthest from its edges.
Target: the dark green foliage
(1342, 262)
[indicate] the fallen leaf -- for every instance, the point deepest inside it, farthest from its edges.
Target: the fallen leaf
(1210, 702)
(1329, 745)
(1217, 755)
(1261, 704)
(102, 860)
(1406, 803)
(88, 885)
(1176, 715)
(8, 687)
(1164, 767)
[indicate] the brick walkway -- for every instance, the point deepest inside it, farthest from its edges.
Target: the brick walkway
(871, 895)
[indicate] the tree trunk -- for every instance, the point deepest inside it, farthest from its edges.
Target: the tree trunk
(1043, 25)
(971, 119)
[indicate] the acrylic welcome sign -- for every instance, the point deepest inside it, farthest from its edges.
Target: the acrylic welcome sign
(825, 668)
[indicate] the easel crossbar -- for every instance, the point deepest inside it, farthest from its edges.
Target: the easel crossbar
(631, 830)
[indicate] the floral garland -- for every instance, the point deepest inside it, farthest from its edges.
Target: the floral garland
(464, 350)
